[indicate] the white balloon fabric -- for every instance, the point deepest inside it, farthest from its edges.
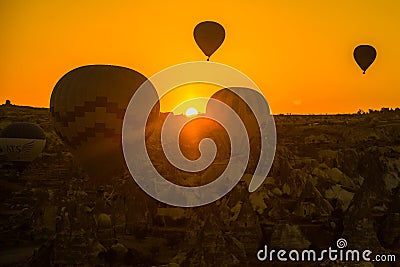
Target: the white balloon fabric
(22, 141)
(21, 149)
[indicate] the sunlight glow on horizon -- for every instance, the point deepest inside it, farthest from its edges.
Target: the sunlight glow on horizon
(194, 95)
(190, 112)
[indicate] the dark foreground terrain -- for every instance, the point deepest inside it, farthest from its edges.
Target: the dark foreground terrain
(334, 176)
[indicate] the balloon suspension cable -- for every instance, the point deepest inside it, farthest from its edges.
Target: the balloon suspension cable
(208, 59)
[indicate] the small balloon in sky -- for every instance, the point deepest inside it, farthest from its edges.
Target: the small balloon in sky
(209, 36)
(364, 56)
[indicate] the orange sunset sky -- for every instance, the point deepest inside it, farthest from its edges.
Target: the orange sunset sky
(300, 53)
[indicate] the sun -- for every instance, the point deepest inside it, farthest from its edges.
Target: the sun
(191, 112)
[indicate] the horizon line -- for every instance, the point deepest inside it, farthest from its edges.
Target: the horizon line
(279, 114)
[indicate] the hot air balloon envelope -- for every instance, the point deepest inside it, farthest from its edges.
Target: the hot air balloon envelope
(230, 96)
(209, 36)
(88, 106)
(364, 56)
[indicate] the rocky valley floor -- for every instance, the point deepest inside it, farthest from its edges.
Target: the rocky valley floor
(333, 176)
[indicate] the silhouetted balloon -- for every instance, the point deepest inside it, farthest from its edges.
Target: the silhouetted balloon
(209, 36)
(231, 98)
(88, 106)
(22, 141)
(364, 56)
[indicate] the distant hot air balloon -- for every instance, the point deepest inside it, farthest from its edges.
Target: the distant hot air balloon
(88, 107)
(364, 56)
(22, 142)
(209, 36)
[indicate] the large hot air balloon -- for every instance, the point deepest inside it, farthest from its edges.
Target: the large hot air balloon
(22, 142)
(209, 36)
(234, 101)
(364, 56)
(88, 107)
